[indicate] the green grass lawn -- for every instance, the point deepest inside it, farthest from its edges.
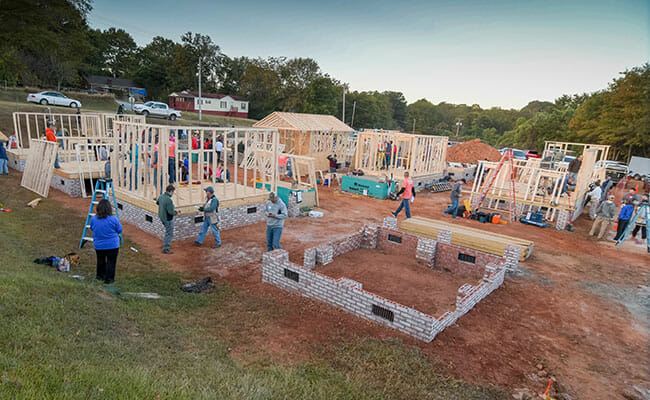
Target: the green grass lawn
(62, 338)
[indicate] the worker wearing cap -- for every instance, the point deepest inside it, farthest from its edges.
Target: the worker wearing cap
(604, 215)
(210, 218)
(276, 212)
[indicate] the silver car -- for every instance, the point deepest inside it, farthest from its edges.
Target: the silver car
(53, 99)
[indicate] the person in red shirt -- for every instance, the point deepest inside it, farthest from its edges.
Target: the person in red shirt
(408, 192)
(51, 137)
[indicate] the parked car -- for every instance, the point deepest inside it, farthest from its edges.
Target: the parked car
(615, 169)
(532, 154)
(640, 168)
(53, 99)
(518, 154)
(156, 109)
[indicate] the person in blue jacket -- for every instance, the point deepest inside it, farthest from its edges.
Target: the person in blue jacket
(623, 219)
(106, 238)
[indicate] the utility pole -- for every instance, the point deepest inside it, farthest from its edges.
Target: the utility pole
(354, 106)
(200, 101)
(459, 123)
(343, 113)
(414, 126)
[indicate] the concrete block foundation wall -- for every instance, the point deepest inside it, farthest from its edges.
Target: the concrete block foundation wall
(72, 187)
(15, 163)
(349, 295)
(419, 182)
(188, 225)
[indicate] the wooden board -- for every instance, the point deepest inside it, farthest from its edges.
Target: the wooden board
(39, 166)
(488, 242)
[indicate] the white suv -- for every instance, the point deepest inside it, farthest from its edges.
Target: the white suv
(53, 98)
(156, 109)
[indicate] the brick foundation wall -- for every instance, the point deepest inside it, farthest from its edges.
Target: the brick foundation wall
(448, 256)
(188, 225)
(343, 293)
(349, 295)
(397, 242)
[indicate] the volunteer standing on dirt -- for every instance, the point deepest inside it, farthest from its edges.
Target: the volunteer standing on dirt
(210, 218)
(408, 194)
(276, 212)
(455, 198)
(166, 213)
(604, 215)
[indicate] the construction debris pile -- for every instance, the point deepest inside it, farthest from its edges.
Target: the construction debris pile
(472, 151)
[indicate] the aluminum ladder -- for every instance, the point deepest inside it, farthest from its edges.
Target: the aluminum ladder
(102, 186)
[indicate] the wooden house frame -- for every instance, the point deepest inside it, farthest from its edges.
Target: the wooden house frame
(420, 155)
(313, 135)
(539, 183)
(140, 164)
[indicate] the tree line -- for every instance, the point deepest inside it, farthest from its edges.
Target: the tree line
(49, 44)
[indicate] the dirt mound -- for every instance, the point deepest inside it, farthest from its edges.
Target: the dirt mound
(472, 151)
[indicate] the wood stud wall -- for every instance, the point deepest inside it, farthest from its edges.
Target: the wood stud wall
(39, 166)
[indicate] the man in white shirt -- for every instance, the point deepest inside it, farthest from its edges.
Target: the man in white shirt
(594, 195)
(218, 147)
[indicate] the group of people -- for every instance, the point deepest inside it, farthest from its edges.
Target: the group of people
(275, 211)
(107, 229)
(631, 204)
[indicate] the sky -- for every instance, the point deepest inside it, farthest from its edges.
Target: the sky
(496, 53)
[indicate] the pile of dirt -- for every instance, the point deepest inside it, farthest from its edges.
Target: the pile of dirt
(472, 151)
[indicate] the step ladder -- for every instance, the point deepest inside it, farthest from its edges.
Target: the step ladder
(506, 159)
(104, 187)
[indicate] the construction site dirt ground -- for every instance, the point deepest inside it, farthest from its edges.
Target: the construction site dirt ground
(580, 307)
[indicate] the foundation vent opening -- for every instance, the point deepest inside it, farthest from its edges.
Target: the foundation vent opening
(148, 218)
(294, 276)
(198, 219)
(62, 182)
(467, 258)
(251, 210)
(383, 312)
(120, 206)
(394, 238)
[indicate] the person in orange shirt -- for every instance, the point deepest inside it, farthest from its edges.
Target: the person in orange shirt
(408, 192)
(172, 160)
(51, 137)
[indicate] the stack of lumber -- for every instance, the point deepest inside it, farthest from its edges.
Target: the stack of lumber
(488, 242)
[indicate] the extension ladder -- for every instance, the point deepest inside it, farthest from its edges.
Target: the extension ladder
(644, 209)
(102, 186)
(508, 154)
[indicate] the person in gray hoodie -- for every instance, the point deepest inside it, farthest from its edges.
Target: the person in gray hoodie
(605, 214)
(276, 212)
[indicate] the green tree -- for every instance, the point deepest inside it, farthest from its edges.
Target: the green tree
(43, 42)
(155, 67)
(322, 97)
(261, 86)
(618, 116)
